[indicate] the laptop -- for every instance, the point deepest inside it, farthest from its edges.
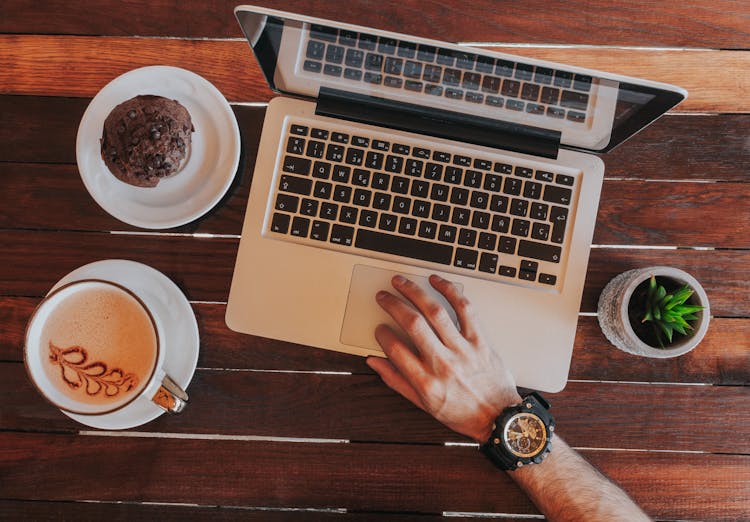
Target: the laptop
(391, 154)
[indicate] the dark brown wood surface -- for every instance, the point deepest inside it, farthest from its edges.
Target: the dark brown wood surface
(277, 431)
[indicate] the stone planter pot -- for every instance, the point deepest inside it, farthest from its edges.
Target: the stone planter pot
(613, 312)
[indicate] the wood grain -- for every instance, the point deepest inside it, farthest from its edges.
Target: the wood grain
(723, 356)
(361, 408)
(718, 24)
(352, 476)
(676, 147)
(49, 511)
(202, 267)
(630, 212)
(80, 66)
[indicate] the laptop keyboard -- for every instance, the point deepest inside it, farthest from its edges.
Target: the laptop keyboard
(369, 193)
(457, 75)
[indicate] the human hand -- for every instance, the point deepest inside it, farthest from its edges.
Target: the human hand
(450, 373)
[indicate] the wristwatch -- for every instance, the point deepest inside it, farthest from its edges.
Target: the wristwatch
(521, 435)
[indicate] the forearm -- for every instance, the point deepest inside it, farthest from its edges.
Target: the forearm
(567, 488)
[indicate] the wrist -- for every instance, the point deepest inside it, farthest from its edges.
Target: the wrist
(485, 427)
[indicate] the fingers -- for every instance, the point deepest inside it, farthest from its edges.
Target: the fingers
(400, 355)
(393, 379)
(411, 321)
(467, 319)
(435, 313)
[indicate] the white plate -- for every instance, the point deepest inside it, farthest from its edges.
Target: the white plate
(210, 167)
(180, 329)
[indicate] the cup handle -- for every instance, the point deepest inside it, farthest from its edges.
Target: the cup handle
(170, 397)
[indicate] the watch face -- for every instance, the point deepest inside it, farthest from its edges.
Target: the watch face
(525, 435)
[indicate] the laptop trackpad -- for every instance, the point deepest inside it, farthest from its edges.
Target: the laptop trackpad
(363, 314)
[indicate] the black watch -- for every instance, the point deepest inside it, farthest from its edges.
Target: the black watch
(522, 434)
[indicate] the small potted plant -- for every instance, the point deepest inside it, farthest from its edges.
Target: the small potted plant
(656, 312)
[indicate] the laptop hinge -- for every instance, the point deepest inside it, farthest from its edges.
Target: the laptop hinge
(438, 122)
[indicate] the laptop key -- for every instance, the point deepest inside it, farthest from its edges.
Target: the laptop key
(280, 222)
(347, 37)
(487, 241)
(466, 258)
(315, 149)
(500, 224)
(315, 50)
(520, 227)
(507, 245)
(387, 222)
(407, 49)
(319, 230)
(467, 237)
(355, 156)
(354, 58)
(447, 233)
(540, 251)
(555, 194)
(348, 215)
(507, 271)
(329, 211)
(547, 279)
(367, 41)
(312, 66)
(335, 54)
(321, 32)
(295, 165)
(558, 216)
(540, 231)
(404, 246)
(352, 74)
(427, 229)
(426, 53)
(309, 207)
(287, 203)
(300, 226)
(488, 262)
(342, 235)
(368, 219)
(295, 185)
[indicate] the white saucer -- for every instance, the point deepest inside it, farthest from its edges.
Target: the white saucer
(208, 171)
(180, 328)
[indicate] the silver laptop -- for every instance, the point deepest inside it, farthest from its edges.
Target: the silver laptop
(391, 154)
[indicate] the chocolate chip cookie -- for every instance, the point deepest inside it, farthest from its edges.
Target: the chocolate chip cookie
(146, 139)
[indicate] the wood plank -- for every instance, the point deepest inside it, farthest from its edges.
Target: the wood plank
(80, 66)
(362, 408)
(630, 212)
(125, 512)
(697, 23)
(353, 476)
(203, 267)
(722, 358)
(676, 147)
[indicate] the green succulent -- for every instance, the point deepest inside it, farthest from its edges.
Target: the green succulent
(668, 312)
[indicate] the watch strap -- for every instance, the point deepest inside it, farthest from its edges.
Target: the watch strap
(495, 448)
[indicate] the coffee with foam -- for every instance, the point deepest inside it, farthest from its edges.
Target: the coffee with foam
(96, 345)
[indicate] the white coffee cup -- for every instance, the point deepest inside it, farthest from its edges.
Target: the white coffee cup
(108, 355)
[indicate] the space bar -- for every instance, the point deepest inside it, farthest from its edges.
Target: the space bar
(404, 246)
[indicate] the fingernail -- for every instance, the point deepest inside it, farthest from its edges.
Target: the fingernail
(399, 280)
(381, 295)
(436, 278)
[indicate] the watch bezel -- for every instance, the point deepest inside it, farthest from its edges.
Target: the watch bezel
(539, 447)
(497, 448)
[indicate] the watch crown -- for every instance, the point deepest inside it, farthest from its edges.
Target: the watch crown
(496, 440)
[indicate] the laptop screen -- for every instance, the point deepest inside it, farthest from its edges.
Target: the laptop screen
(587, 109)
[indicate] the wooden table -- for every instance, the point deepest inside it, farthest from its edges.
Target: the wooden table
(282, 432)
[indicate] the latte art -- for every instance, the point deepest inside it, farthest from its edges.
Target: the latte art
(91, 378)
(97, 347)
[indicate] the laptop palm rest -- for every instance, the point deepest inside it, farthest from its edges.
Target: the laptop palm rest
(363, 314)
